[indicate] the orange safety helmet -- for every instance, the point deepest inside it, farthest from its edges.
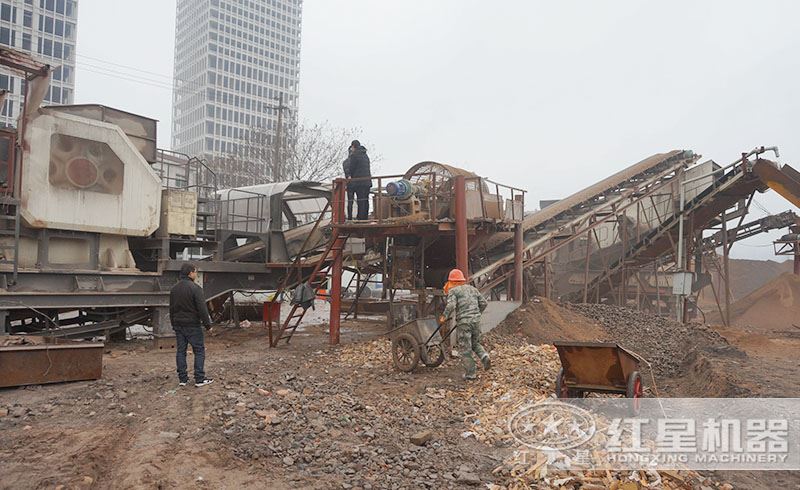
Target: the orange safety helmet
(456, 276)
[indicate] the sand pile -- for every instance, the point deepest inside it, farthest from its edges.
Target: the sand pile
(542, 321)
(746, 277)
(773, 307)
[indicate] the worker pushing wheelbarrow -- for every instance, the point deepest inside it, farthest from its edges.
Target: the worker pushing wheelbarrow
(414, 340)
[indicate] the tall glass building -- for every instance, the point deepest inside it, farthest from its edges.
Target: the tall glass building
(46, 29)
(234, 61)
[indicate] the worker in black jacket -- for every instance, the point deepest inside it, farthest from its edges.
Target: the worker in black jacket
(188, 314)
(359, 167)
(351, 193)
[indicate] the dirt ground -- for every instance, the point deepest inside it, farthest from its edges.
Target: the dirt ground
(306, 415)
(309, 415)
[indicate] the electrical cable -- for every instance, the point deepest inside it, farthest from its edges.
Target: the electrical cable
(135, 80)
(99, 60)
(165, 82)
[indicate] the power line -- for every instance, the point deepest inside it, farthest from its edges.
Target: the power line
(137, 79)
(136, 72)
(130, 75)
(171, 78)
(143, 77)
(123, 66)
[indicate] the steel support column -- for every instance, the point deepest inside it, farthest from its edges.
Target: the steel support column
(518, 245)
(797, 259)
(163, 334)
(726, 279)
(460, 194)
(337, 217)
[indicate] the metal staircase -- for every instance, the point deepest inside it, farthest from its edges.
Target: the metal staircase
(317, 279)
(9, 215)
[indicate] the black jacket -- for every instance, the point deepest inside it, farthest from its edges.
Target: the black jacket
(187, 305)
(346, 167)
(359, 166)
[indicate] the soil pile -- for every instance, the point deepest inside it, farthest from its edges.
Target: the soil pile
(746, 277)
(774, 307)
(542, 321)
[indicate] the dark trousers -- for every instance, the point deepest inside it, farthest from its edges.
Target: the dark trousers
(194, 336)
(362, 200)
(351, 199)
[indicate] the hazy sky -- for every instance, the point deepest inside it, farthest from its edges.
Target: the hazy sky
(548, 96)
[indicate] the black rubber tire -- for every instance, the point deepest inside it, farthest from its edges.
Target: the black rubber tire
(435, 355)
(405, 352)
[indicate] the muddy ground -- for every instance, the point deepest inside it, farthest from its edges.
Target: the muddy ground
(309, 415)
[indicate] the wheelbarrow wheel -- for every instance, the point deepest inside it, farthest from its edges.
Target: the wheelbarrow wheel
(635, 390)
(435, 356)
(405, 352)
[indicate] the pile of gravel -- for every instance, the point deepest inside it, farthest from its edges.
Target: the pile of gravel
(663, 342)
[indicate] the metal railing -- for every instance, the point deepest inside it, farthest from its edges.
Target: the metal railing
(178, 171)
(435, 194)
(245, 213)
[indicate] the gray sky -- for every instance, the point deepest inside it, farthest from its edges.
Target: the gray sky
(548, 96)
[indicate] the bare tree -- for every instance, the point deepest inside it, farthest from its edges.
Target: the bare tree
(308, 152)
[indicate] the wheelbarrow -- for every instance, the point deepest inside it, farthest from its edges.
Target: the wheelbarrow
(597, 367)
(415, 341)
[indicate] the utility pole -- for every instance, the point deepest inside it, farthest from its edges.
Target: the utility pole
(277, 164)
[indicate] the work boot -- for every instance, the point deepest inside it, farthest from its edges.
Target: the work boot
(470, 377)
(486, 362)
(206, 381)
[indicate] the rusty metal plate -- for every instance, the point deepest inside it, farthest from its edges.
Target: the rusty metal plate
(50, 363)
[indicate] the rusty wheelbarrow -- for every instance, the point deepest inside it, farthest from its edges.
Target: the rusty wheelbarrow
(415, 341)
(597, 367)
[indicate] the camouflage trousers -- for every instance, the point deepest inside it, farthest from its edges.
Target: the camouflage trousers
(469, 341)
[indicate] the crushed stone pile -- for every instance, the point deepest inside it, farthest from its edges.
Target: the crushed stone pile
(664, 343)
(375, 427)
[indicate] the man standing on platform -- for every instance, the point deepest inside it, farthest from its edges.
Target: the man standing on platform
(358, 165)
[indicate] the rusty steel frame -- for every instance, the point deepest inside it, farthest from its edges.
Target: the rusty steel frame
(580, 225)
(337, 218)
(722, 189)
(462, 247)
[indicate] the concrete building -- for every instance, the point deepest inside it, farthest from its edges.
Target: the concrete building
(47, 29)
(234, 60)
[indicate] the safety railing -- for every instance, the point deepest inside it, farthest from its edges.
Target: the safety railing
(498, 201)
(430, 197)
(245, 213)
(182, 172)
(178, 171)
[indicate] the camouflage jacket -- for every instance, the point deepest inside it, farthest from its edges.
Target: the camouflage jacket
(466, 302)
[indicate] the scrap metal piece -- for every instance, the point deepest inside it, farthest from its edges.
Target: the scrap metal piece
(22, 365)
